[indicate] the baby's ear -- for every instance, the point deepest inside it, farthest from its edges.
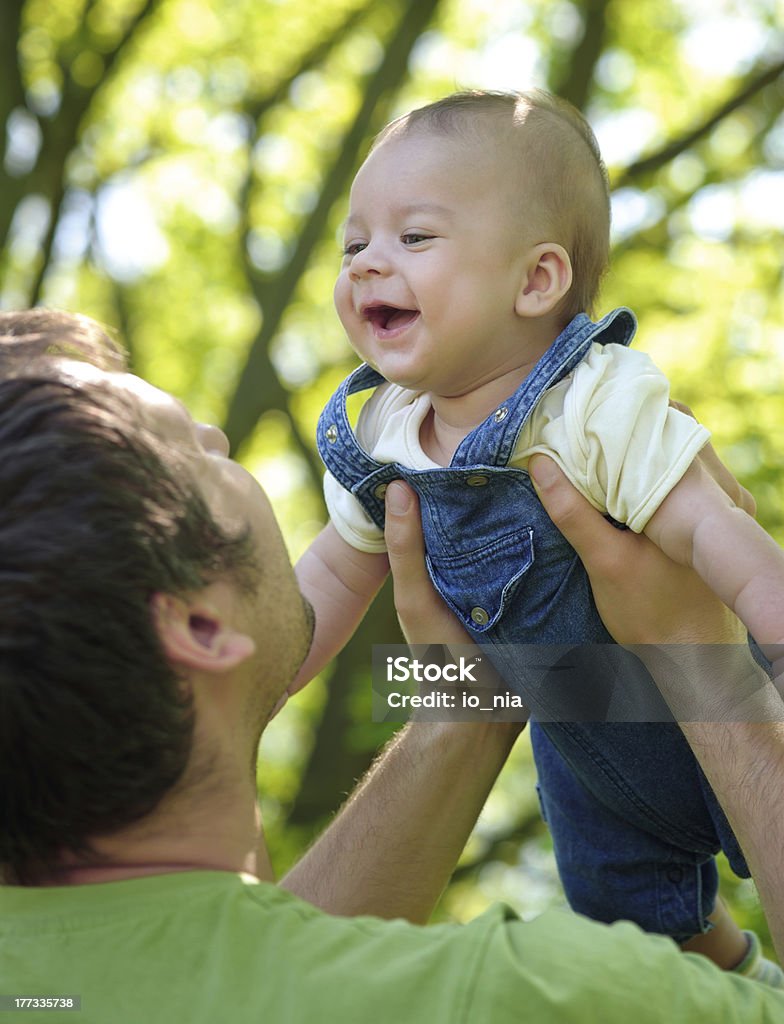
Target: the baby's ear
(546, 279)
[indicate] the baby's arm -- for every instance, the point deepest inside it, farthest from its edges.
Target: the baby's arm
(699, 525)
(340, 582)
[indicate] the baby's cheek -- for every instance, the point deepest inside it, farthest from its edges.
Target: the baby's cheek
(342, 293)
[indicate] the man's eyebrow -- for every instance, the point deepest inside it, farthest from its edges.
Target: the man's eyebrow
(167, 402)
(177, 411)
(185, 416)
(182, 408)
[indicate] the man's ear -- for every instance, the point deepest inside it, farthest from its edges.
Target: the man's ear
(194, 636)
(547, 278)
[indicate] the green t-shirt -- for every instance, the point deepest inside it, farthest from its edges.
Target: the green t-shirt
(210, 946)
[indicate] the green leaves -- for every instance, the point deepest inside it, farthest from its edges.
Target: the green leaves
(179, 169)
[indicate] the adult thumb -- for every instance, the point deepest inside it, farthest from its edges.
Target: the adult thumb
(582, 525)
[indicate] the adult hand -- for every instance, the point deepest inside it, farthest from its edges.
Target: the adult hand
(642, 596)
(424, 618)
(711, 462)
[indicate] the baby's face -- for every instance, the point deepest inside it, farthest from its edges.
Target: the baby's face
(434, 258)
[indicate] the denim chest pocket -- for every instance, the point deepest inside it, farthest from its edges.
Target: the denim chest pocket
(479, 583)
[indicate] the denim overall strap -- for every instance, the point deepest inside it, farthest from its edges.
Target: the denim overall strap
(493, 441)
(490, 444)
(342, 454)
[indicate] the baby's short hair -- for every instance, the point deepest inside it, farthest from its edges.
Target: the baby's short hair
(563, 180)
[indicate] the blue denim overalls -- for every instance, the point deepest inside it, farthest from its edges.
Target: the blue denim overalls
(634, 823)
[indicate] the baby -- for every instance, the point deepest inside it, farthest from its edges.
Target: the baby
(477, 236)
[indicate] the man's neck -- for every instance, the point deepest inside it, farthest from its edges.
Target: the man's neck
(221, 835)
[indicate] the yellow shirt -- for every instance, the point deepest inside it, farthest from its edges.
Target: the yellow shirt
(608, 425)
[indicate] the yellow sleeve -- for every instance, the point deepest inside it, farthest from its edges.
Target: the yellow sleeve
(348, 517)
(611, 429)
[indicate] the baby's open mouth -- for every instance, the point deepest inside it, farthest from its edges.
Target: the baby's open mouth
(389, 318)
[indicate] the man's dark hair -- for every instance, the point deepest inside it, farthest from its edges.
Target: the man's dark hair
(96, 516)
(32, 334)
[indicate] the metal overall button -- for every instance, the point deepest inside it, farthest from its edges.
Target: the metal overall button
(380, 491)
(501, 414)
(477, 480)
(480, 616)
(331, 434)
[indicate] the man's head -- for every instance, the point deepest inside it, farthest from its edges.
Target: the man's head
(120, 522)
(472, 218)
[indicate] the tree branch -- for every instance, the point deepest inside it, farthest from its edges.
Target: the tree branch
(504, 846)
(273, 394)
(123, 308)
(45, 257)
(261, 104)
(571, 76)
(653, 235)
(12, 92)
(131, 31)
(12, 95)
(258, 387)
(60, 135)
(753, 84)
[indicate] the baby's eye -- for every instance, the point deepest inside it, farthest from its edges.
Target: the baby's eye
(352, 248)
(415, 238)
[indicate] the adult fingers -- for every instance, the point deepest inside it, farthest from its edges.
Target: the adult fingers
(723, 477)
(642, 596)
(594, 539)
(424, 618)
(403, 536)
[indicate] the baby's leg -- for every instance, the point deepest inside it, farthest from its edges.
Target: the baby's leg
(616, 855)
(725, 944)
(634, 826)
(735, 950)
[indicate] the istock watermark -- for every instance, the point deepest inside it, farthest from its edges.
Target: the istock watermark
(576, 683)
(440, 683)
(405, 668)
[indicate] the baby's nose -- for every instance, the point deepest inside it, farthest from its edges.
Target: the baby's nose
(370, 260)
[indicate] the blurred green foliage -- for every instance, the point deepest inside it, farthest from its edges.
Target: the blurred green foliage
(179, 170)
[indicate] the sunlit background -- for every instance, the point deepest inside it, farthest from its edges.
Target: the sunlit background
(179, 169)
